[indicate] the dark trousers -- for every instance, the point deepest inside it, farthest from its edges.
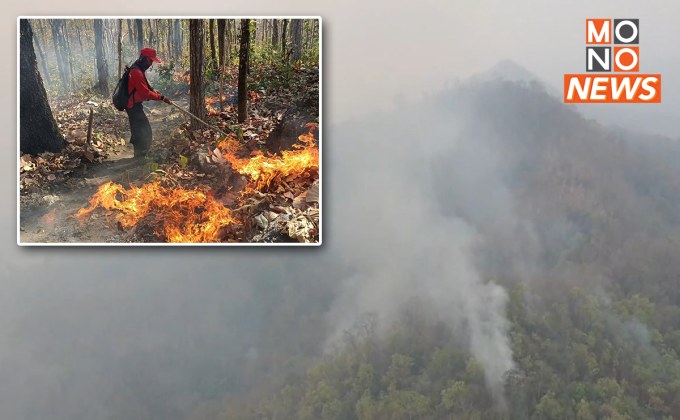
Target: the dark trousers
(140, 129)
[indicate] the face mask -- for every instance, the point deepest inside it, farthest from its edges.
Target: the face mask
(144, 64)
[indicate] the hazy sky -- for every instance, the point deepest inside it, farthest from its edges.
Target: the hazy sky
(374, 51)
(60, 306)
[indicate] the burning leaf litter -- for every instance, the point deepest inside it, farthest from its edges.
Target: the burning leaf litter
(263, 170)
(175, 214)
(180, 215)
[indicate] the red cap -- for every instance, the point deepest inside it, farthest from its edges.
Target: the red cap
(151, 53)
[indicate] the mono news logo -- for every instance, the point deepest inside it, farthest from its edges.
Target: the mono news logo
(612, 66)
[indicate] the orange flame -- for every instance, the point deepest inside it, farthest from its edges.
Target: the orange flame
(182, 77)
(179, 215)
(212, 109)
(263, 170)
(212, 103)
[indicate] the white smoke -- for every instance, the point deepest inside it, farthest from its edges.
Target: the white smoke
(402, 245)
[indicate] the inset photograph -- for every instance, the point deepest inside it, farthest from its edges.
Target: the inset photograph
(152, 131)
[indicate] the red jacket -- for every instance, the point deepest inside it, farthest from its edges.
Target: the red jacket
(142, 92)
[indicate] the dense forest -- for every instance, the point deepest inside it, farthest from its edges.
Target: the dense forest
(577, 223)
(239, 134)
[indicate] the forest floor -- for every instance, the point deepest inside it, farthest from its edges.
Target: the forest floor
(195, 185)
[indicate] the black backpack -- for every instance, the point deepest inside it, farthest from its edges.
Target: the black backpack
(120, 95)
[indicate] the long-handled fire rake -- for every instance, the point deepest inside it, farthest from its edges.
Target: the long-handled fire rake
(198, 119)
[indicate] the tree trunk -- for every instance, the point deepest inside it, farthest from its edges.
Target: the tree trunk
(283, 40)
(131, 35)
(315, 34)
(296, 35)
(69, 55)
(211, 35)
(43, 60)
(196, 37)
(220, 53)
(140, 34)
(275, 34)
(58, 48)
(227, 53)
(38, 132)
(120, 48)
(242, 70)
(178, 38)
(254, 34)
(171, 51)
(151, 35)
(102, 65)
(80, 41)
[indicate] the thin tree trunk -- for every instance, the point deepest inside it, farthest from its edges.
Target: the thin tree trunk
(275, 34)
(61, 65)
(242, 71)
(80, 41)
(38, 131)
(196, 39)
(296, 39)
(227, 54)
(211, 35)
(102, 65)
(140, 34)
(130, 31)
(171, 52)
(43, 60)
(283, 40)
(267, 31)
(178, 38)
(151, 35)
(253, 35)
(69, 55)
(220, 53)
(220, 43)
(120, 48)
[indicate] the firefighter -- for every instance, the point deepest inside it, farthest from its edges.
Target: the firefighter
(140, 91)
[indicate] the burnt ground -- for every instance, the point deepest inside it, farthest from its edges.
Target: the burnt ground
(45, 216)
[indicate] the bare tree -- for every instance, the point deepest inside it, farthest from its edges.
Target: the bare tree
(243, 70)
(196, 37)
(38, 131)
(102, 65)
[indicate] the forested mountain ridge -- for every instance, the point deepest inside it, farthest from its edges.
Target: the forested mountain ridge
(587, 251)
